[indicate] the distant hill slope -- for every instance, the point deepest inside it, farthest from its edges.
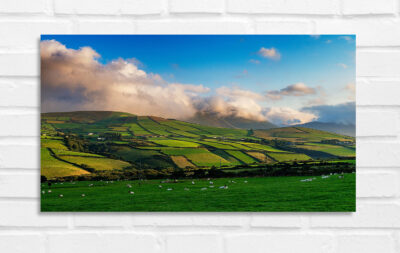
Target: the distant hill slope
(301, 134)
(229, 122)
(345, 129)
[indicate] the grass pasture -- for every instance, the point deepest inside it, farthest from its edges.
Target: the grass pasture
(97, 163)
(330, 149)
(206, 159)
(258, 155)
(241, 156)
(260, 194)
(281, 157)
(181, 161)
(176, 143)
(51, 167)
(52, 143)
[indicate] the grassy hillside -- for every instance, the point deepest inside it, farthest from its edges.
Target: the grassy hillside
(117, 143)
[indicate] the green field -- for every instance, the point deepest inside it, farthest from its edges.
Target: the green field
(329, 149)
(283, 194)
(280, 157)
(51, 167)
(176, 143)
(241, 156)
(97, 163)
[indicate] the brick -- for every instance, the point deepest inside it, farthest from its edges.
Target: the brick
(101, 243)
(31, 243)
(10, 156)
(283, 27)
(365, 243)
(193, 243)
(279, 243)
(19, 64)
(19, 94)
(356, 7)
(369, 123)
(191, 27)
(377, 184)
(19, 185)
(27, 214)
(378, 93)
(109, 27)
(378, 63)
(275, 220)
(378, 154)
(26, 34)
(142, 7)
(367, 216)
(201, 6)
(150, 219)
(109, 7)
(370, 32)
(202, 219)
(22, 6)
(101, 220)
(15, 125)
(316, 7)
(226, 220)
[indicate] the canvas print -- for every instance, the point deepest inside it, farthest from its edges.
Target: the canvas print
(198, 123)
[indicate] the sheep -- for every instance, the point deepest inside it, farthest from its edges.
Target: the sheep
(341, 176)
(43, 192)
(129, 186)
(159, 186)
(211, 182)
(324, 176)
(307, 180)
(90, 185)
(186, 189)
(223, 187)
(49, 191)
(131, 192)
(61, 195)
(211, 186)
(83, 195)
(169, 189)
(204, 188)
(192, 182)
(245, 182)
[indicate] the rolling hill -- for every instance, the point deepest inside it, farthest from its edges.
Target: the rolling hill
(339, 128)
(108, 143)
(214, 120)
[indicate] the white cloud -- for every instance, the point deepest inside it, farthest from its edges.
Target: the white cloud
(342, 65)
(288, 116)
(297, 89)
(270, 53)
(76, 80)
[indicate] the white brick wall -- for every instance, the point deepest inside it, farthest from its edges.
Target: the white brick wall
(374, 228)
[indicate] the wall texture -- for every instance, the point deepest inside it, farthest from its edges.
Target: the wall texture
(375, 227)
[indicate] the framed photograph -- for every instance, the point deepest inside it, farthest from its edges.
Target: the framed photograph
(198, 123)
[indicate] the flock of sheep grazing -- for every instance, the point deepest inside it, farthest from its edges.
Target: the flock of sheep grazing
(341, 176)
(201, 189)
(211, 185)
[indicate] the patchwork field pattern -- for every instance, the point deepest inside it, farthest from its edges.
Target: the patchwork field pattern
(78, 142)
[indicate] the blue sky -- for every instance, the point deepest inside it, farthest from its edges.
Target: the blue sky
(325, 62)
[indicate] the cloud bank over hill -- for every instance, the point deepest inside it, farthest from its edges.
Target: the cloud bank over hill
(75, 79)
